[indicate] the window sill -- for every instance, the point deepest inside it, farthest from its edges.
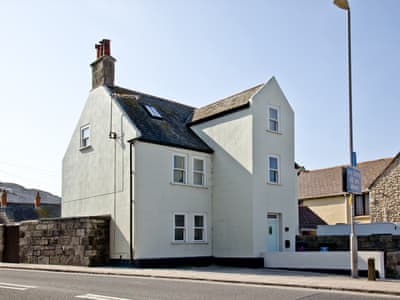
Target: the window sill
(274, 132)
(85, 148)
(189, 243)
(189, 185)
(274, 184)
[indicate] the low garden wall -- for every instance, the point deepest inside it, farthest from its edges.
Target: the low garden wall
(82, 241)
(389, 244)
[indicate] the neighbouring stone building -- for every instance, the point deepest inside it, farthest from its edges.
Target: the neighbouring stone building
(385, 194)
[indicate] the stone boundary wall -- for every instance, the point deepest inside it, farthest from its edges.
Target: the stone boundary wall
(81, 241)
(390, 244)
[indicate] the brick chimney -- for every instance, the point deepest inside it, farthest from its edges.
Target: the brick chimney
(4, 199)
(103, 66)
(37, 200)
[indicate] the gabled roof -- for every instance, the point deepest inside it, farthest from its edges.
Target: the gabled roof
(170, 130)
(309, 219)
(328, 182)
(223, 106)
(394, 160)
(173, 128)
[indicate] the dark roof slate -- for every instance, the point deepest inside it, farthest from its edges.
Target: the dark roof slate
(171, 130)
(225, 105)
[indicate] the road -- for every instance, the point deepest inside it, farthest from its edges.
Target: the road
(24, 284)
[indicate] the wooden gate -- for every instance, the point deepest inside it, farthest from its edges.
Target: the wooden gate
(11, 244)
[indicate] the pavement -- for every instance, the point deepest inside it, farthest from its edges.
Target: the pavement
(266, 277)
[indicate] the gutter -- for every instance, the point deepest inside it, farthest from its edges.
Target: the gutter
(130, 202)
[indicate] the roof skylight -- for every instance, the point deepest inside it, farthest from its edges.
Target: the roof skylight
(153, 111)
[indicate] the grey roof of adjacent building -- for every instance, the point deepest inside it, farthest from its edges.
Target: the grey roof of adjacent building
(173, 128)
(18, 194)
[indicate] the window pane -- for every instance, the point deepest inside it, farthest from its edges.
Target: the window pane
(179, 162)
(273, 113)
(85, 132)
(366, 204)
(273, 163)
(179, 234)
(198, 235)
(198, 165)
(179, 176)
(359, 211)
(198, 178)
(179, 220)
(199, 221)
(273, 176)
(273, 125)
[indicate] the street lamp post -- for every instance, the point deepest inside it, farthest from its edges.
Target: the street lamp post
(343, 4)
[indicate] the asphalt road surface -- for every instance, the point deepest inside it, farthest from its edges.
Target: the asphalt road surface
(24, 284)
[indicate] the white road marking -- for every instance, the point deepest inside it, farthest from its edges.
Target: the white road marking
(99, 297)
(13, 286)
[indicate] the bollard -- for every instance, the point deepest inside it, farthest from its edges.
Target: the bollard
(371, 269)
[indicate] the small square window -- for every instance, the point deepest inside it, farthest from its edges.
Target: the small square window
(85, 136)
(153, 111)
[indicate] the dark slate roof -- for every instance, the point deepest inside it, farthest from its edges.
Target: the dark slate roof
(21, 212)
(309, 219)
(171, 130)
(328, 182)
(225, 105)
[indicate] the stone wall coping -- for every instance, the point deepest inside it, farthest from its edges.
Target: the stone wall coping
(101, 217)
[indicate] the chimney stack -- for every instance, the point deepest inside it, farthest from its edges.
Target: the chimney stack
(103, 66)
(4, 199)
(37, 200)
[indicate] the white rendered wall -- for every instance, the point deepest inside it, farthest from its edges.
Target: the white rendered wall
(337, 260)
(231, 139)
(157, 199)
(273, 198)
(241, 196)
(95, 181)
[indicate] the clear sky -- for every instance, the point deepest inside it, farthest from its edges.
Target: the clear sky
(197, 52)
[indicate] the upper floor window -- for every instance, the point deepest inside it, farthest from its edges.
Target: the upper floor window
(273, 119)
(361, 205)
(85, 136)
(198, 171)
(199, 228)
(179, 227)
(179, 169)
(273, 169)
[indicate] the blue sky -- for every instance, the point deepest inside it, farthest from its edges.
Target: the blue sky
(197, 52)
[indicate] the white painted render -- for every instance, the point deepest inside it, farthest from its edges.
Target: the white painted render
(242, 198)
(235, 200)
(334, 260)
(95, 181)
(157, 199)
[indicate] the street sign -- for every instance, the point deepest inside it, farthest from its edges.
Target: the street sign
(352, 180)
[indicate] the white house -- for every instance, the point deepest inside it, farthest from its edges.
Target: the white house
(184, 184)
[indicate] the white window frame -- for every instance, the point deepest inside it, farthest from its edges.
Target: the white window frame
(270, 169)
(81, 131)
(199, 172)
(184, 169)
(185, 233)
(275, 120)
(204, 228)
